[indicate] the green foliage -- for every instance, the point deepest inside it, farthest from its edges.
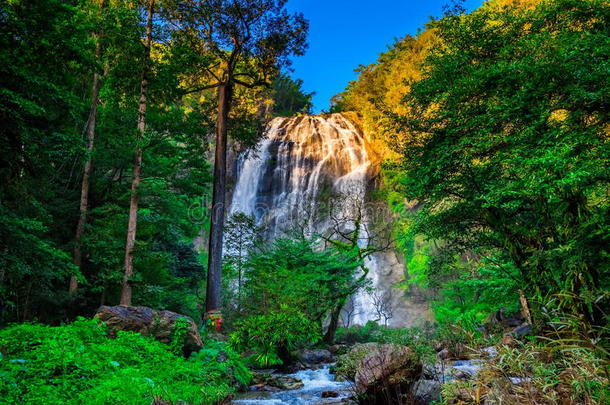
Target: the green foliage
(288, 96)
(289, 272)
(241, 237)
(48, 60)
(512, 161)
(78, 363)
(179, 332)
(274, 335)
(347, 364)
(500, 121)
(40, 107)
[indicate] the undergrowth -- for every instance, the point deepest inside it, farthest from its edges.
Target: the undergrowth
(535, 373)
(79, 363)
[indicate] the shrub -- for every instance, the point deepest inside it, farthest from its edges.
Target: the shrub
(273, 336)
(78, 363)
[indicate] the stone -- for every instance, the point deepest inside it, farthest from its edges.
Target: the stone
(432, 371)
(285, 382)
(489, 352)
(149, 322)
(508, 340)
(347, 364)
(524, 330)
(427, 391)
(330, 394)
(444, 354)
(315, 356)
(387, 370)
(338, 349)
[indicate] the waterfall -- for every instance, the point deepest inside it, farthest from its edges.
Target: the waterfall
(287, 180)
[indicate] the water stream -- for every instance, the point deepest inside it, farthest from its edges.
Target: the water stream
(315, 383)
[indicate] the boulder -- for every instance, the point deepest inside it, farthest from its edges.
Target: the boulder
(314, 356)
(329, 394)
(489, 352)
(387, 371)
(347, 364)
(149, 322)
(337, 350)
(427, 391)
(522, 331)
(444, 354)
(285, 382)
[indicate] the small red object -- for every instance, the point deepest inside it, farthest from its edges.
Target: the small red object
(215, 317)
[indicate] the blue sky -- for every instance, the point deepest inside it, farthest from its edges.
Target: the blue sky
(344, 34)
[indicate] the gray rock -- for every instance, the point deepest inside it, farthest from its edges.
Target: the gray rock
(524, 330)
(519, 380)
(444, 354)
(315, 356)
(427, 391)
(330, 394)
(489, 351)
(285, 382)
(387, 368)
(150, 322)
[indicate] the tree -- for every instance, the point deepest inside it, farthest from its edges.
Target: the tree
(289, 98)
(241, 237)
(48, 55)
(289, 272)
(126, 291)
(249, 40)
(90, 133)
(512, 158)
(44, 53)
(354, 228)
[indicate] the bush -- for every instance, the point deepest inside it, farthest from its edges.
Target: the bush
(79, 364)
(273, 336)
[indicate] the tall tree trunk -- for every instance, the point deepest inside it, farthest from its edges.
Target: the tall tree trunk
(137, 167)
(329, 337)
(218, 200)
(84, 192)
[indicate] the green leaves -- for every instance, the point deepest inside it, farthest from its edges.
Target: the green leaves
(515, 152)
(273, 335)
(290, 272)
(79, 363)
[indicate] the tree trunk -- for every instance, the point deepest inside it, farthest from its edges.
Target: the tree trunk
(329, 337)
(137, 167)
(84, 192)
(525, 309)
(218, 200)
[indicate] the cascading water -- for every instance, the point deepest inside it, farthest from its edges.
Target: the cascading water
(287, 180)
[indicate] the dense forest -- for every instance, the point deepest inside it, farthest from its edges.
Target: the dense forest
(125, 278)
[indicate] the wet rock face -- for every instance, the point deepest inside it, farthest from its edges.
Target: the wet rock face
(149, 322)
(311, 357)
(286, 383)
(329, 394)
(427, 391)
(387, 371)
